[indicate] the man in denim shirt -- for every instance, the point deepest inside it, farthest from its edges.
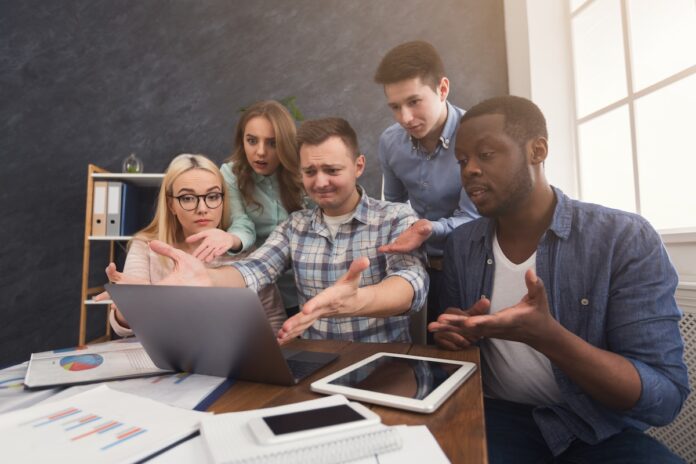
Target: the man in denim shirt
(572, 305)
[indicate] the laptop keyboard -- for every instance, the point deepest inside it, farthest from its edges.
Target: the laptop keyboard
(302, 369)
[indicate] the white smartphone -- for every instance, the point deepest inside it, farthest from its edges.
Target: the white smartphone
(311, 422)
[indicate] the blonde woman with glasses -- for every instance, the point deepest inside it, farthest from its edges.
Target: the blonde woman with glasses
(191, 200)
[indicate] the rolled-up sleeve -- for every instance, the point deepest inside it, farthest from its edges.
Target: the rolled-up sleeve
(408, 266)
(265, 265)
(643, 325)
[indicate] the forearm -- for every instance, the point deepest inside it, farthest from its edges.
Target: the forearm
(226, 276)
(391, 297)
(607, 377)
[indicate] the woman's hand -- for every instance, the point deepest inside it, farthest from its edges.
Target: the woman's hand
(214, 243)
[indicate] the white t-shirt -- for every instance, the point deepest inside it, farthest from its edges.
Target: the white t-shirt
(515, 371)
(334, 222)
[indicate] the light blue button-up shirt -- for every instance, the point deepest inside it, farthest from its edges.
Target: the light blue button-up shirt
(608, 280)
(429, 181)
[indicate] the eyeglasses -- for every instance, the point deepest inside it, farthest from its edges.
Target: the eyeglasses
(189, 202)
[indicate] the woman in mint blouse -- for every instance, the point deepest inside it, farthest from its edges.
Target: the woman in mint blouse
(264, 184)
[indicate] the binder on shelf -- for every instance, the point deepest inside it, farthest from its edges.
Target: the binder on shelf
(129, 210)
(99, 208)
(113, 209)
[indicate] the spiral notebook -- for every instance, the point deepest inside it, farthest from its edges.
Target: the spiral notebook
(227, 439)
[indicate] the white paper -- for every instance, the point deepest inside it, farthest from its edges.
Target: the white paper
(229, 438)
(13, 395)
(104, 361)
(182, 390)
(193, 450)
(100, 425)
(419, 446)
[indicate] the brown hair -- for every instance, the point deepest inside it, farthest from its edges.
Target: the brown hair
(286, 148)
(409, 60)
(317, 131)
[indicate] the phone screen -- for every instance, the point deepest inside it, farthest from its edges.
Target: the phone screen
(312, 419)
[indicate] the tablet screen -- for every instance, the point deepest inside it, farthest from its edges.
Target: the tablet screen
(410, 378)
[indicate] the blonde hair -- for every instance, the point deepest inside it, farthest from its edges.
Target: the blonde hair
(165, 226)
(288, 172)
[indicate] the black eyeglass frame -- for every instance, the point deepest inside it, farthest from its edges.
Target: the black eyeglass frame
(198, 200)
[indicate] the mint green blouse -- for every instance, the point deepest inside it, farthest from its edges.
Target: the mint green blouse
(252, 224)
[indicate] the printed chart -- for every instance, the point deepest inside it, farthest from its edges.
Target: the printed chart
(81, 362)
(99, 425)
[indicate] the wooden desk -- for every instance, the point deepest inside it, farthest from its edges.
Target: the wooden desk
(458, 424)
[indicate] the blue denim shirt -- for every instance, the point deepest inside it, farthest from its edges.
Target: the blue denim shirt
(609, 281)
(429, 181)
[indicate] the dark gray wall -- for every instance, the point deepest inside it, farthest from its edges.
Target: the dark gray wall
(93, 80)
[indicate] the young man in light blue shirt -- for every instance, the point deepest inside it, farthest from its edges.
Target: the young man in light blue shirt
(417, 155)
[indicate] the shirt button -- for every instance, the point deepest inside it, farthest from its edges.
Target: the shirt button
(489, 261)
(584, 302)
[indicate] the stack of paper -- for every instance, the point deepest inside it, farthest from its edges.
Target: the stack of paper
(104, 361)
(100, 425)
(183, 390)
(229, 439)
(12, 393)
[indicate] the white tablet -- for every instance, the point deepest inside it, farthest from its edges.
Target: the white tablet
(402, 381)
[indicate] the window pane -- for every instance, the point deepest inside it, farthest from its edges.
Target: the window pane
(606, 162)
(600, 72)
(663, 39)
(666, 155)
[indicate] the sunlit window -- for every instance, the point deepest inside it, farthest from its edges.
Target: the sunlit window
(635, 90)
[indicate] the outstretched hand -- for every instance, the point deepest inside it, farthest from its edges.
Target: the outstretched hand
(410, 239)
(188, 271)
(447, 329)
(529, 321)
(340, 299)
(214, 243)
(118, 278)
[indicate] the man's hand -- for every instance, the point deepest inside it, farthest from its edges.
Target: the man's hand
(448, 331)
(118, 278)
(529, 321)
(410, 239)
(214, 243)
(187, 269)
(341, 299)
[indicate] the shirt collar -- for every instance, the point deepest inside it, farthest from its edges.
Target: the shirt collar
(361, 212)
(562, 216)
(259, 179)
(448, 130)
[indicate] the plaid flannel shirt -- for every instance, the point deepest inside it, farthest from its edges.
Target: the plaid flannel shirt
(304, 242)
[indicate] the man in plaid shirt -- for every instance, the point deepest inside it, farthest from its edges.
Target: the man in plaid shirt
(348, 290)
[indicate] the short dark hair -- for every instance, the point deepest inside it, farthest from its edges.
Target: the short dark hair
(523, 119)
(409, 60)
(317, 131)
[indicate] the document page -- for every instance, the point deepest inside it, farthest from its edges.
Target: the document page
(100, 425)
(106, 361)
(182, 389)
(12, 393)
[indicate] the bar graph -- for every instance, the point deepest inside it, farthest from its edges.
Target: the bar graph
(81, 425)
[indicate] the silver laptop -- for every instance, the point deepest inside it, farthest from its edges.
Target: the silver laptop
(212, 330)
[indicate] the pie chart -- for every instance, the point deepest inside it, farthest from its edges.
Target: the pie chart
(81, 362)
